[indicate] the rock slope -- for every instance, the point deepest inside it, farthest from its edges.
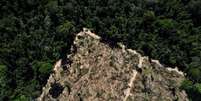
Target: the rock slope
(97, 72)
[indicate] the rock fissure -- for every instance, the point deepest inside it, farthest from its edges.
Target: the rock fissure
(130, 85)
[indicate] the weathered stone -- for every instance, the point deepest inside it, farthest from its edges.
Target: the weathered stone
(100, 73)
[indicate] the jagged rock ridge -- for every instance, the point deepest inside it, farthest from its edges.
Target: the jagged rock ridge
(97, 72)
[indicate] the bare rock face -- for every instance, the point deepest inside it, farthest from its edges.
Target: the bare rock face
(97, 72)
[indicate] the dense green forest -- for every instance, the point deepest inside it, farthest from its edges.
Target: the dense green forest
(36, 33)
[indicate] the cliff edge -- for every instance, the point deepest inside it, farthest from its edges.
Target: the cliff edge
(97, 72)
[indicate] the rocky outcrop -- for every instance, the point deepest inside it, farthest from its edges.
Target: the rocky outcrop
(97, 72)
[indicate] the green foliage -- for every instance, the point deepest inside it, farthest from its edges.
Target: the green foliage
(43, 67)
(194, 74)
(186, 84)
(193, 90)
(195, 10)
(198, 88)
(113, 30)
(41, 71)
(3, 76)
(65, 27)
(149, 16)
(3, 70)
(194, 70)
(21, 98)
(166, 23)
(34, 34)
